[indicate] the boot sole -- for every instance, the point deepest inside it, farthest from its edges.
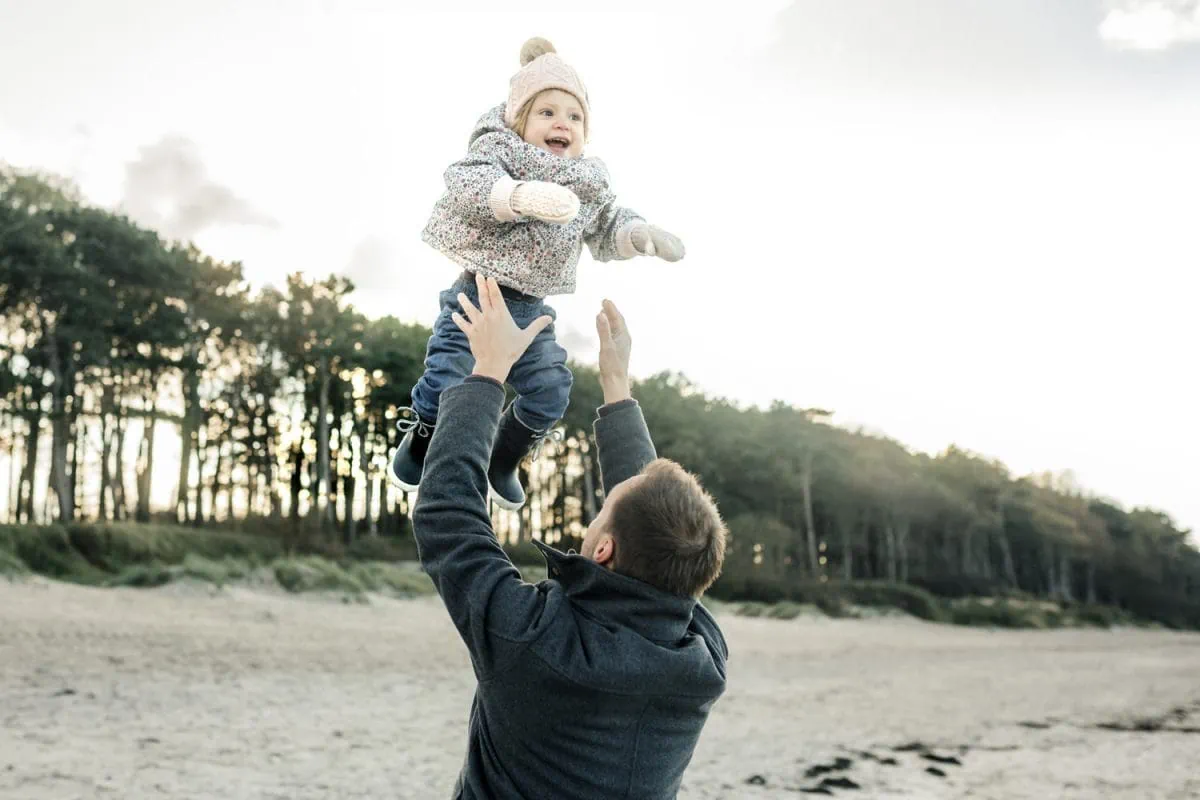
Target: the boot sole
(507, 505)
(394, 480)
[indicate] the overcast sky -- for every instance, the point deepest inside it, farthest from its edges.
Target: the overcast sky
(962, 221)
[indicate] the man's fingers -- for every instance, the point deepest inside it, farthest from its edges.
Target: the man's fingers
(537, 326)
(603, 329)
(485, 296)
(473, 313)
(616, 321)
(494, 293)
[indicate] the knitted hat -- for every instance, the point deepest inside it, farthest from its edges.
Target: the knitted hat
(542, 69)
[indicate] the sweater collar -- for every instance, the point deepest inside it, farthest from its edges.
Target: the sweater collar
(652, 613)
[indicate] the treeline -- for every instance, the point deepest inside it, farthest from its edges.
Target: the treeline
(282, 404)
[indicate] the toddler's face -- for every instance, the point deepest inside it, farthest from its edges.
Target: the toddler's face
(556, 123)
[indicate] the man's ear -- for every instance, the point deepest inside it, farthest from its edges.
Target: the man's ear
(604, 552)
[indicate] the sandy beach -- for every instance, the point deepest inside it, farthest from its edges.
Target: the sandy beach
(194, 693)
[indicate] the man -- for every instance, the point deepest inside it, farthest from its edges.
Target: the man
(596, 682)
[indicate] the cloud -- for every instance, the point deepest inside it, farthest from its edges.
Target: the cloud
(579, 345)
(372, 265)
(168, 188)
(1152, 24)
(977, 50)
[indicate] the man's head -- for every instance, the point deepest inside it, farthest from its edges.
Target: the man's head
(662, 528)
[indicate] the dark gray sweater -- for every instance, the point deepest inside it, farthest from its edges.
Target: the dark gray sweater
(591, 684)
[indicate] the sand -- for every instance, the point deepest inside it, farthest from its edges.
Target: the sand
(183, 692)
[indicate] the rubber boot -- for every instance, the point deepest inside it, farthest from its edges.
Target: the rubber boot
(408, 461)
(513, 442)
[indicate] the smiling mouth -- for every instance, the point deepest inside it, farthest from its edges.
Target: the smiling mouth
(557, 143)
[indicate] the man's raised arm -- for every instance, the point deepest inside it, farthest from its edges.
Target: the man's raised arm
(621, 433)
(494, 610)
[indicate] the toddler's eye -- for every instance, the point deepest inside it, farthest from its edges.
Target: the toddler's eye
(576, 118)
(545, 112)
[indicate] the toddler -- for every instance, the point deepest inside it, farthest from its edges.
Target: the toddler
(519, 208)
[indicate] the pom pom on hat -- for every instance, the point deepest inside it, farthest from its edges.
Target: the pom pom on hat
(535, 47)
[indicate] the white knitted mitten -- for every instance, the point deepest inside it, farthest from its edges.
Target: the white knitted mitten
(545, 201)
(650, 240)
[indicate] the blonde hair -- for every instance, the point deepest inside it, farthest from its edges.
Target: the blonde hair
(522, 118)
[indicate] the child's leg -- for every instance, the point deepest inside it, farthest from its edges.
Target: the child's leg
(543, 385)
(541, 378)
(448, 358)
(448, 361)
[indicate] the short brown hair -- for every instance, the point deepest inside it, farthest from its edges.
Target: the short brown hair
(667, 531)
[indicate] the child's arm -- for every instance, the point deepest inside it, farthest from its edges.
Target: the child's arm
(480, 188)
(478, 185)
(610, 238)
(619, 233)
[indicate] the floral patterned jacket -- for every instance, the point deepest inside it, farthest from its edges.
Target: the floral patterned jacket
(469, 223)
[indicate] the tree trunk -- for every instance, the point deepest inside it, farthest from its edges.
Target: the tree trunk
(518, 536)
(109, 443)
(810, 528)
(385, 500)
(296, 483)
(29, 470)
(589, 483)
(225, 479)
(1010, 570)
(145, 471)
(560, 498)
(348, 489)
(251, 490)
(1064, 576)
(902, 531)
(374, 489)
(120, 503)
(364, 464)
(1049, 569)
(846, 530)
(60, 477)
(214, 491)
(968, 561)
(524, 475)
(10, 491)
(526, 515)
(197, 491)
(270, 474)
(1091, 582)
(889, 541)
(273, 487)
(187, 428)
(77, 430)
(324, 511)
(106, 407)
(989, 569)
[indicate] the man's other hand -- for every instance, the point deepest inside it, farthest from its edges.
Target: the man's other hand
(615, 345)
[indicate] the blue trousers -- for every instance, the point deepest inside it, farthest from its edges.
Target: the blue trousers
(540, 378)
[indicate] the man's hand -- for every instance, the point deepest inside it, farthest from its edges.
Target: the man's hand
(496, 341)
(615, 345)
